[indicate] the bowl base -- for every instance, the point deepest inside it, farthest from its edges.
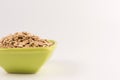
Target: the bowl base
(19, 71)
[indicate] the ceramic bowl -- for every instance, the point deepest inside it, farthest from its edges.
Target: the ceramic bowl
(24, 60)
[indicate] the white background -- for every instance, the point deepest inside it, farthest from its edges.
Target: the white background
(87, 33)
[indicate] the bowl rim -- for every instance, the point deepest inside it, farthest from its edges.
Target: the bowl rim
(31, 47)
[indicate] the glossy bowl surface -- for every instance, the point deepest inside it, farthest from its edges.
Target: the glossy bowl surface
(24, 60)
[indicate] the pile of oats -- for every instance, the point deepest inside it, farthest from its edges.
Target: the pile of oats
(23, 40)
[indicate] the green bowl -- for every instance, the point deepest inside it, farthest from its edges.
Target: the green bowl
(24, 60)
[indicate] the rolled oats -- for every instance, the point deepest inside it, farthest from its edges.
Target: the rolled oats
(23, 40)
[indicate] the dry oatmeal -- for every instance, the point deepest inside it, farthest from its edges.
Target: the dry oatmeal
(23, 40)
